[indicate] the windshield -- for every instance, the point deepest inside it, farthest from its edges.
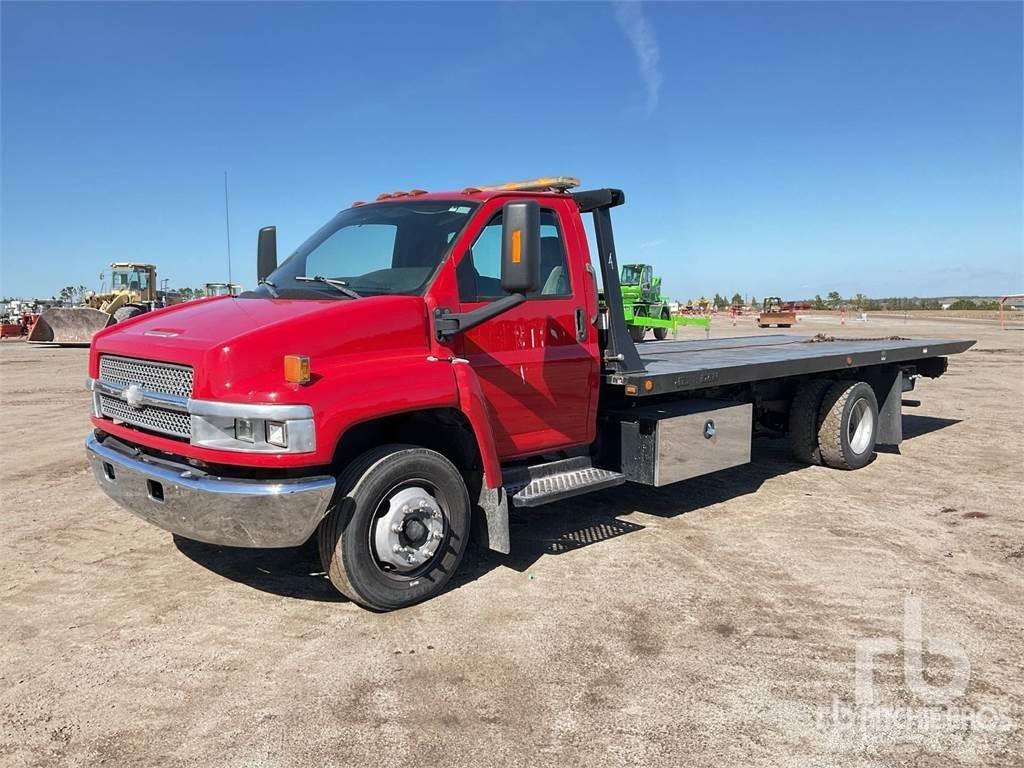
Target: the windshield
(372, 250)
(122, 279)
(630, 274)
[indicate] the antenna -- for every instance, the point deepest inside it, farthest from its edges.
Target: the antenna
(227, 222)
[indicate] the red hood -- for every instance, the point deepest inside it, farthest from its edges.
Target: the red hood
(236, 345)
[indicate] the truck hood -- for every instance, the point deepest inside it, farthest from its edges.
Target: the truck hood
(236, 345)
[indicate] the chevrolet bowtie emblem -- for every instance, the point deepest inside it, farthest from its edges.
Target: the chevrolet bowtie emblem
(133, 395)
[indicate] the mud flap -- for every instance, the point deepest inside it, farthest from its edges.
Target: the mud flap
(889, 393)
(494, 502)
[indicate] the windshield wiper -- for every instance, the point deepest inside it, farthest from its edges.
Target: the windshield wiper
(272, 288)
(341, 285)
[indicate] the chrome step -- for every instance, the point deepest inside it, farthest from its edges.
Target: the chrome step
(546, 483)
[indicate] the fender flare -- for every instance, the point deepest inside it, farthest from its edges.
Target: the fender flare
(493, 498)
(474, 405)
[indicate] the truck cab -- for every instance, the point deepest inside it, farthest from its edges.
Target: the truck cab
(417, 367)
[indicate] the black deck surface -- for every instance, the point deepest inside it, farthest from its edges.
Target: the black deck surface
(677, 366)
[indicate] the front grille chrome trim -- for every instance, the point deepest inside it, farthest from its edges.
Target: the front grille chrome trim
(152, 375)
(153, 419)
(147, 394)
(203, 423)
(146, 398)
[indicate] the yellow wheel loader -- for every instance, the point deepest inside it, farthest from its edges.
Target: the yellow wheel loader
(773, 312)
(133, 291)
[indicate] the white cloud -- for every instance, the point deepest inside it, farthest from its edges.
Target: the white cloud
(652, 243)
(638, 30)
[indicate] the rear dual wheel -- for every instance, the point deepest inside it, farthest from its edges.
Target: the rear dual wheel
(834, 423)
(397, 528)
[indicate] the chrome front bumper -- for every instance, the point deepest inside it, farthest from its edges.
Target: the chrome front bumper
(237, 513)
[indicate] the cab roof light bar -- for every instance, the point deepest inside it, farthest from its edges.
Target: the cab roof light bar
(543, 184)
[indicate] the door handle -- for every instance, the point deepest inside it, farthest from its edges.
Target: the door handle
(581, 324)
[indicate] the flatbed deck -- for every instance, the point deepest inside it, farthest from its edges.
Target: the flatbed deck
(679, 366)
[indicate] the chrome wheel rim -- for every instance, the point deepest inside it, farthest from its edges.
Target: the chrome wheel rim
(409, 530)
(861, 428)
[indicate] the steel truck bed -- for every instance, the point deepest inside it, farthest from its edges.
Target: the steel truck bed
(681, 366)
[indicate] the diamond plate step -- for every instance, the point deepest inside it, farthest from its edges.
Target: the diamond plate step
(557, 480)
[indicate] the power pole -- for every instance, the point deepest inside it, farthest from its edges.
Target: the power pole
(227, 223)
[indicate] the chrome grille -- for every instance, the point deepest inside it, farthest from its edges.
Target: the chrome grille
(166, 378)
(155, 419)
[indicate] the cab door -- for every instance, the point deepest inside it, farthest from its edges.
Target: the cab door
(538, 362)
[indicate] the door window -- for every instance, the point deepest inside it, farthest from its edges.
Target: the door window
(479, 272)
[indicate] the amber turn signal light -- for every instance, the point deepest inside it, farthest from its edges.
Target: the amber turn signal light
(296, 369)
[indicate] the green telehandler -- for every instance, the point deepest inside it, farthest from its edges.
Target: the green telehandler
(645, 308)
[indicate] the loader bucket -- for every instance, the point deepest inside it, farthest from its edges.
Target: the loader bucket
(69, 327)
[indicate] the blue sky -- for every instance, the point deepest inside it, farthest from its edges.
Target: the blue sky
(765, 148)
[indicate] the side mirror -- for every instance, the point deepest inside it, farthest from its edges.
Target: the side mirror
(266, 253)
(520, 247)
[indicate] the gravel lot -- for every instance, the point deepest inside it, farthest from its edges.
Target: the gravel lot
(711, 623)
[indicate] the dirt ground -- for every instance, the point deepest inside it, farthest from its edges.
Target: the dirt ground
(714, 622)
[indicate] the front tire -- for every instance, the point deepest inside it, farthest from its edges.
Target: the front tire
(848, 425)
(637, 333)
(662, 333)
(397, 528)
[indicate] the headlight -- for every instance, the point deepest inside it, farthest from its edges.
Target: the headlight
(277, 433)
(253, 428)
(243, 430)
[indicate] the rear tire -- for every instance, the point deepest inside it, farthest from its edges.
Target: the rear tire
(848, 425)
(127, 313)
(348, 536)
(803, 420)
(637, 333)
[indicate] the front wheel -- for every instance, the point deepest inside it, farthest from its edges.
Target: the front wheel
(662, 333)
(397, 528)
(637, 333)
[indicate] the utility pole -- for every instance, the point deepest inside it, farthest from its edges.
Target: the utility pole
(227, 223)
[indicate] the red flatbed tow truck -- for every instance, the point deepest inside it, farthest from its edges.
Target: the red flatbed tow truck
(424, 363)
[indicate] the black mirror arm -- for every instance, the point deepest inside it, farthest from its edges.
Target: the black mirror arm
(448, 324)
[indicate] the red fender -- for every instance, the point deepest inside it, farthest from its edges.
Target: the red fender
(473, 403)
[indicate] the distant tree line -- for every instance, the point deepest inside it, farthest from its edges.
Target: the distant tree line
(190, 293)
(894, 304)
(834, 300)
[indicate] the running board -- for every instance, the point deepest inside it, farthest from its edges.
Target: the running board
(557, 480)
